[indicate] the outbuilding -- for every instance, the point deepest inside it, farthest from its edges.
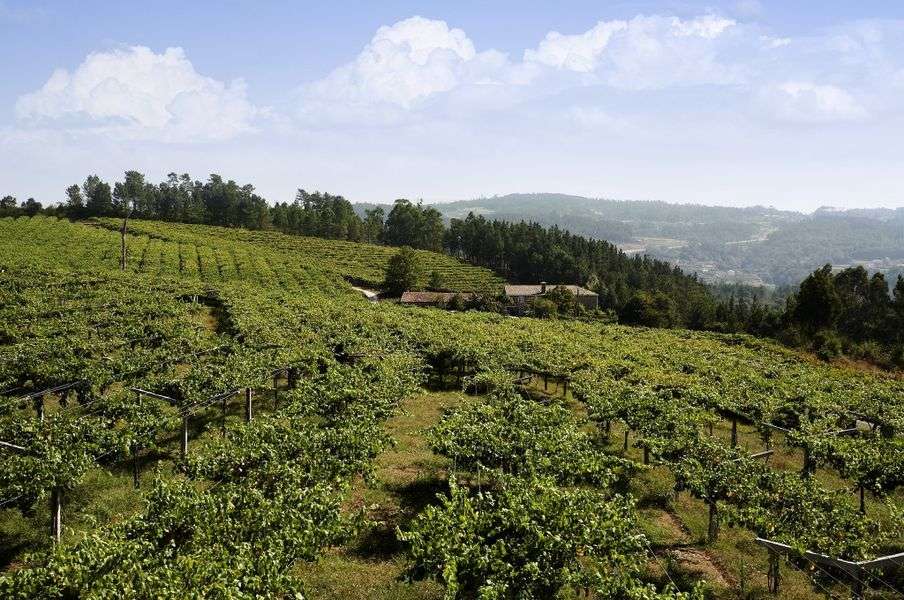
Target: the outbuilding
(521, 295)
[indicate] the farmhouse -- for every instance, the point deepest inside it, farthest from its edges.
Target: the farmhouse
(521, 295)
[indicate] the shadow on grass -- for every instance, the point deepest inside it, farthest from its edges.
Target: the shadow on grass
(381, 542)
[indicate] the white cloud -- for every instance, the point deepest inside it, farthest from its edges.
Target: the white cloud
(807, 102)
(405, 64)
(646, 52)
(134, 93)
(579, 52)
(775, 42)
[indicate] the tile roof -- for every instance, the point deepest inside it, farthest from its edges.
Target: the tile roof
(431, 297)
(535, 290)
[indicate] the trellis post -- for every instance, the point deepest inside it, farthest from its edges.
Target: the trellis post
(136, 476)
(734, 432)
(774, 575)
(627, 431)
(184, 435)
(807, 468)
(56, 514)
(248, 394)
(223, 419)
(855, 571)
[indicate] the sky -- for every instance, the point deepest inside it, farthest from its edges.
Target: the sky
(788, 104)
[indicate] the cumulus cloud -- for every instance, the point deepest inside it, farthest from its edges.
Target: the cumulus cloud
(135, 93)
(807, 102)
(407, 63)
(645, 52)
(580, 52)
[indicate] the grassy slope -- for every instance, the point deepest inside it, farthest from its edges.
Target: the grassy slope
(359, 262)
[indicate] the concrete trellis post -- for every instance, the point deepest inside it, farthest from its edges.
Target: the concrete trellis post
(56, 514)
(184, 435)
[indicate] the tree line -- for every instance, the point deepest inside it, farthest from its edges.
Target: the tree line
(847, 312)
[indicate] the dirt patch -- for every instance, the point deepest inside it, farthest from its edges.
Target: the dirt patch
(699, 563)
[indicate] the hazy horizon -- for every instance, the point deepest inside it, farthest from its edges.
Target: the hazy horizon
(731, 103)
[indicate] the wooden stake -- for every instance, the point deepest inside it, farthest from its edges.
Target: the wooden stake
(626, 439)
(248, 394)
(734, 433)
(39, 408)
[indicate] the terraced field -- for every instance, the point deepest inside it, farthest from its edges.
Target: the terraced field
(363, 263)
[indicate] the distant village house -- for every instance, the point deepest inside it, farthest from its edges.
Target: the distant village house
(521, 295)
(432, 298)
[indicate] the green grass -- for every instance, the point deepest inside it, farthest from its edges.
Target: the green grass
(408, 478)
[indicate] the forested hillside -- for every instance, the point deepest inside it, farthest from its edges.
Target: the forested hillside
(753, 245)
(224, 416)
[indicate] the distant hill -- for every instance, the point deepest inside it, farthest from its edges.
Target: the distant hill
(755, 245)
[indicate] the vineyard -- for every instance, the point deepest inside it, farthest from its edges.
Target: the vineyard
(227, 418)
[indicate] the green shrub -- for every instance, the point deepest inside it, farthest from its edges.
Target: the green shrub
(827, 345)
(543, 308)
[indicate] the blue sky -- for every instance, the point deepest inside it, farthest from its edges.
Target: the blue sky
(790, 104)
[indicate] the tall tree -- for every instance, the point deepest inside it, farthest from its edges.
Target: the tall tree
(98, 200)
(75, 202)
(898, 307)
(31, 207)
(373, 224)
(8, 206)
(413, 225)
(403, 272)
(818, 304)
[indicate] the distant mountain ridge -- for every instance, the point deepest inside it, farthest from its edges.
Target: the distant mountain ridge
(755, 245)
